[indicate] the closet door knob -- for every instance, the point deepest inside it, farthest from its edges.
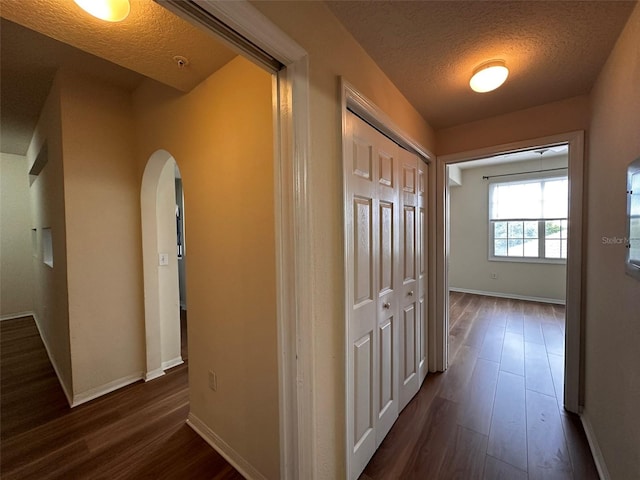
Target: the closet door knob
(386, 305)
(410, 293)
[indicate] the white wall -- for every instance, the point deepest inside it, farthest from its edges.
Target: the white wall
(612, 329)
(469, 266)
(16, 250)
(102, 215)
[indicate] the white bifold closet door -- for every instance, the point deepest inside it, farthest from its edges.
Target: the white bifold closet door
(386, 271)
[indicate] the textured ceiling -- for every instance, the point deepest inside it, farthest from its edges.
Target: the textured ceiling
(142, 45)
(554, 50)
(28, 63)
(146, 41)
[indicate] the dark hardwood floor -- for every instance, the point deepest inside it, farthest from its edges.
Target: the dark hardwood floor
(137, 432)
(496, 413)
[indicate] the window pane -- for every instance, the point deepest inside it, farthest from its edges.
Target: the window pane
(521, 200)
(531, 248)
(516, 230)
(516, 248)
(565, 227)
(500, 248)
(500, 229)
(531, 229)
(555, 198)
(552, 229)
(563, 253)
(552, 249)
(529, 199)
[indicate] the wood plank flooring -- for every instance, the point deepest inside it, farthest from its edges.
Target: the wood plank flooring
(134, 433)
(496, 413)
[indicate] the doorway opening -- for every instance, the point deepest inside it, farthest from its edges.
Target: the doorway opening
(508, 217)
(164, 261)
(549, 242)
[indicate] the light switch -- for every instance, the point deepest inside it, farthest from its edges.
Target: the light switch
(163, 259)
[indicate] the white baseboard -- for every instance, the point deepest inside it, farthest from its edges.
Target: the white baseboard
(153, 374)
(13, 316)
(508, 295)
(172, 363)
(230, 455)
(595, 448)
(67, 390)
(96, 392)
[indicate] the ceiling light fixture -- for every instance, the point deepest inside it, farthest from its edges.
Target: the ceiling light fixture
(489, 76)
(107, 10)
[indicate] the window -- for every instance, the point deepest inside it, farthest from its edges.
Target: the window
(528, 220)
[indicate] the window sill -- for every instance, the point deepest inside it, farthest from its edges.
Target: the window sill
(549, 261)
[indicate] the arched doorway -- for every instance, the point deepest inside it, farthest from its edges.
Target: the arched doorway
(163, 254)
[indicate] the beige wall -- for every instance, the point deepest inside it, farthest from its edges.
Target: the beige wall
(333, 53)
(102, 201)
(544, 120)
(221, 137)
(612, 336)
(168, 274)
(50, 302)
(16, 250)
(469, 267)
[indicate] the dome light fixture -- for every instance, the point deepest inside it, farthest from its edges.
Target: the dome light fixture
(107, 10)
(488, 76)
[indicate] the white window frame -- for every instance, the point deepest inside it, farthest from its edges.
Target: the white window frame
(541, 226)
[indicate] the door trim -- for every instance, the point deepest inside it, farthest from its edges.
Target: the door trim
(573, 386)
(354, 101)
(294, 230)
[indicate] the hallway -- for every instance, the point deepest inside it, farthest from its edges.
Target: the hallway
(136, 432)
(496, 413)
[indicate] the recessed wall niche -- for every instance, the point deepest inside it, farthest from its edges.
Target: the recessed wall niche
(47, 247)
(38, 165)
(34, 242)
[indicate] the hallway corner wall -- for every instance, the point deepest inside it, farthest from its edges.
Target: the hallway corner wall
(16, 244)
(102, 203)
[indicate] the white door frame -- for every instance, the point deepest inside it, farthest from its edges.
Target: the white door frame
(293, 225)
(573, 352)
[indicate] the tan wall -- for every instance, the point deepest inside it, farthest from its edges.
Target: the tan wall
(221, 137)
(612, 339)
(48, 210)
(168, 274)
(16, 250)
(544, 120)
(469, 266)
(332, 53)
(102, 198)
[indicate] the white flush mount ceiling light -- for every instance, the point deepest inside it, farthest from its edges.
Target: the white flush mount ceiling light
(489, 76)
(107, 10)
